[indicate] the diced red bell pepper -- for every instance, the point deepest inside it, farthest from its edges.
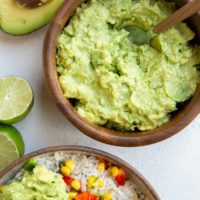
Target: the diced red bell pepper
(93, 197)
(120, 179)
(83, 196)
(68, 180)
(86, 196)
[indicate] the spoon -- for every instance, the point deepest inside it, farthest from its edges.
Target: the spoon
(139, 36)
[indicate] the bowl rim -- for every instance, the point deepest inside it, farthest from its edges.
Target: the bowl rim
(105, 135)
(86, 150)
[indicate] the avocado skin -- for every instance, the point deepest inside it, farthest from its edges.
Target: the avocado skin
(17, 20)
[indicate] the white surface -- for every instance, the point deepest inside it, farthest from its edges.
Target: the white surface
(172, 166)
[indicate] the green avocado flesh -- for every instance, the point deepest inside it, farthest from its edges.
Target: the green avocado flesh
(18, 20)
(40, 184)
(116, 83)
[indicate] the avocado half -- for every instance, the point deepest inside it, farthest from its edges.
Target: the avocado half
(16, 19)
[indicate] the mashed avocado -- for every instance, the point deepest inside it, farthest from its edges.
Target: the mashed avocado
(119, 84)
(41, 184)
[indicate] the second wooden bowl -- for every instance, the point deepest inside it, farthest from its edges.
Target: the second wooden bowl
(140, 182)
(179, 120)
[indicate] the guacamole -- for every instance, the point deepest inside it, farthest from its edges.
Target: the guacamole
(41, 184)
(116, 83)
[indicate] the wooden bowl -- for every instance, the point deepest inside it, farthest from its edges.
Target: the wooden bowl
(140, 182)
(179, 120)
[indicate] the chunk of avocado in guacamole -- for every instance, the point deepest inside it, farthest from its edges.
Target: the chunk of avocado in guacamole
(41, 184)
(116, 83)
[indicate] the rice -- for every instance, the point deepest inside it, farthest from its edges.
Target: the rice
(85, 166)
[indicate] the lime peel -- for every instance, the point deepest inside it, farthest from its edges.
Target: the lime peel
(11, 145)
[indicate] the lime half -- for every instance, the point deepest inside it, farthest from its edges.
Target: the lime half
(11, 145)
(16, 99)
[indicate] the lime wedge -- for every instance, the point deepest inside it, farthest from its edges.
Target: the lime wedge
(11, 145)
(16, 99)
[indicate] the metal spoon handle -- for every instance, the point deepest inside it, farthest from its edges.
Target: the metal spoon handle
(181, 14)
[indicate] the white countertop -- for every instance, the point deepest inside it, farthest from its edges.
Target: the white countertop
(172, 166)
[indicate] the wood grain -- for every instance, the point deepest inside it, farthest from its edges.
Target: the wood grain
(180, 15)
(179, 120)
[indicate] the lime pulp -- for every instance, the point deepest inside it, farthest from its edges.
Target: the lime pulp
(11, 145)
(16, 99)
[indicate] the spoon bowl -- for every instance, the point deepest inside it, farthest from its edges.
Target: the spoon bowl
(139, 36)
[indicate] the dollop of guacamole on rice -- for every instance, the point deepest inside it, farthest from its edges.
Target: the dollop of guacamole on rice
(116, 83)
(40, 184)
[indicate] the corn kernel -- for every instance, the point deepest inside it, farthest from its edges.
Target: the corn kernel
(101, 167)
(115, 171)
(91, 180)
(107, 196)
(65, 170)
(70, 164)
(72, 195)
(100, 183)
(76, 184)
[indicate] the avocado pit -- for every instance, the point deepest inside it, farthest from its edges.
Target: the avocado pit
(32, 3)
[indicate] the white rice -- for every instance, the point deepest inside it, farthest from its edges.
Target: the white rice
(85, 166)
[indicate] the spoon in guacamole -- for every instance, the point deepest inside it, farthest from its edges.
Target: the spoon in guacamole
(139, 36)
